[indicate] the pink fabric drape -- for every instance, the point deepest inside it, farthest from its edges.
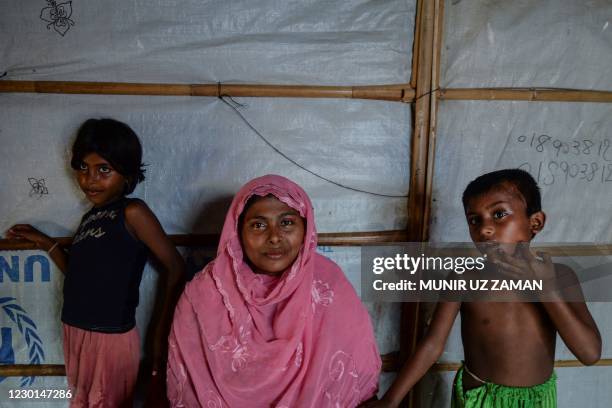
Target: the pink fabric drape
(101, 368)
(240, 339)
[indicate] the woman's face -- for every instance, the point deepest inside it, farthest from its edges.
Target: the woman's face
(272, 234)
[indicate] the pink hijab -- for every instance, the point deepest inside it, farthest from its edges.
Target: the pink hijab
(240, 339)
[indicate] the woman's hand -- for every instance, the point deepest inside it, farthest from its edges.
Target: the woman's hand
(29, 233)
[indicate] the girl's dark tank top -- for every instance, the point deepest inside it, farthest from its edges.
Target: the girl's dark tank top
(105, 267)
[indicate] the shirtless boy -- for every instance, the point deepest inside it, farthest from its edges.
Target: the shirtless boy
(506, 344)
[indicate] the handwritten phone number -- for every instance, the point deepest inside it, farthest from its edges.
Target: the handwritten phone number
(553, 171)
(576, 147)
(35, 394)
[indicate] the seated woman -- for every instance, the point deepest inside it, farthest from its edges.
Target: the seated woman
(270, 322)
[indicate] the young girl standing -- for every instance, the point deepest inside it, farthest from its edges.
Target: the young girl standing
(104, 267)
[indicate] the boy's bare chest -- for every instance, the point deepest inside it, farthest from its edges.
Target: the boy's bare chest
(504, 317)
(508, 343)
(513, 327)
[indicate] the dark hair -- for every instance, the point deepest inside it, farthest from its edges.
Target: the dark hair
(116, 142)
(520, 179)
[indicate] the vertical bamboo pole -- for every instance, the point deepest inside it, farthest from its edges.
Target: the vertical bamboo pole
(433, 123)
(415, 44)
(417, 199)
(437, 27)
(420, 137)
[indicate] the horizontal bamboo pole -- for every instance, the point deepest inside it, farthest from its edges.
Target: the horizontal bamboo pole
(559, 250)
(604, 362)
(395, 92)
(526, 94)
(390, 363)
(198, 240)
(345, 239)
(37, 370)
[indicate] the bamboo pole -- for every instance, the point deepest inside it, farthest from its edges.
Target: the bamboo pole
(199, 240)
(28, 370)
(395, 92)
(419, 145)
(418, 164)
(346, 239)
(390, 363)
(604, 362)
(435, 83)
(416, 44)
(526, 94)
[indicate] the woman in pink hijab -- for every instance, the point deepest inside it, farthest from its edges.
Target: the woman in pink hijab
(270, 322)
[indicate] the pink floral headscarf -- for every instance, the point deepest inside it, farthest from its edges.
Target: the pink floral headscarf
(240, 339)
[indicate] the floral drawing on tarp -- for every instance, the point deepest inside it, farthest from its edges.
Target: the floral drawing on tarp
(38, 187)
(58, 16)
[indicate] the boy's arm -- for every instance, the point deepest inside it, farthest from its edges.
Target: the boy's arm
(147, 228)
(427, 352)
(572, 319)
(42, 241)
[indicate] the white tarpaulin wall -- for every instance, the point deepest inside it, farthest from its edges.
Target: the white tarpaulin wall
(198, 151)
(543, 43)
(319, 42)
(566, 146)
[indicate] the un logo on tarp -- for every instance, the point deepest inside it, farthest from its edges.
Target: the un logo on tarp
(27, 328)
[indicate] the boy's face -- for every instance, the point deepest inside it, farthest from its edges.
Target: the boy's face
(499, 216)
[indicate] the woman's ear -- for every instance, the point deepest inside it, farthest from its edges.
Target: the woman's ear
(537, 221)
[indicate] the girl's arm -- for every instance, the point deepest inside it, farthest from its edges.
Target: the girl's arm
(145, 226)
(427, 353)
(42, 241)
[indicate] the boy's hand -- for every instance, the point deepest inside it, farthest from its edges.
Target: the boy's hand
(523, 264)
(29, 233)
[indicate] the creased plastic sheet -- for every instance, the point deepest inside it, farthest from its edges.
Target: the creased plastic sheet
(567, 147)
(549, 43)
(198, 152)
(355, 42)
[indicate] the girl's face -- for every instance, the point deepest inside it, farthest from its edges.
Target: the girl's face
(272, 234)
(100, 182)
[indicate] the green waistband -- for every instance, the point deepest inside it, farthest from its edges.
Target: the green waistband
(504, 396)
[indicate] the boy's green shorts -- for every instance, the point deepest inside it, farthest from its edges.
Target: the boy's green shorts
(491, 395)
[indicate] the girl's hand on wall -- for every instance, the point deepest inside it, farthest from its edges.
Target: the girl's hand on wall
(29, 233)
